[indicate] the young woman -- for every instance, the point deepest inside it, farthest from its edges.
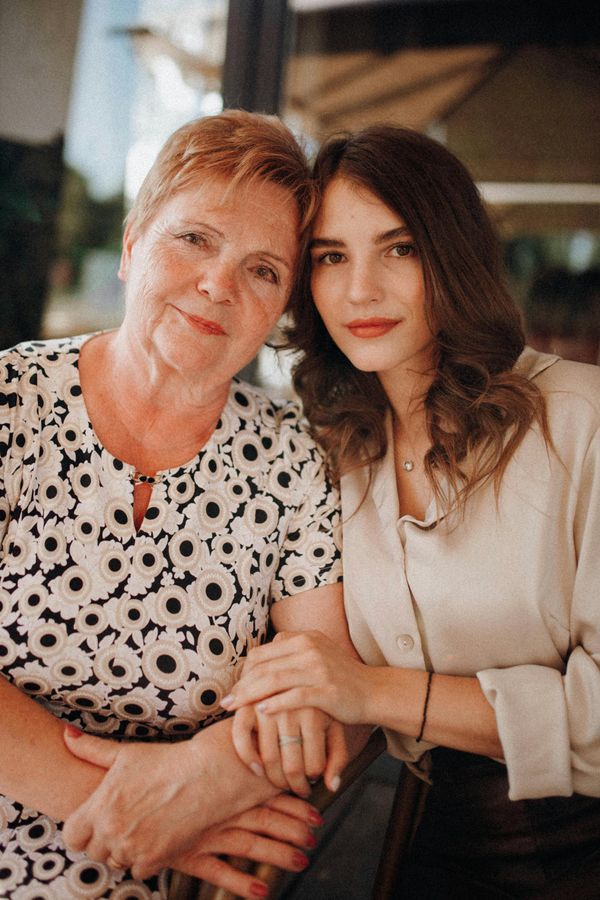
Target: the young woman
(470, 475)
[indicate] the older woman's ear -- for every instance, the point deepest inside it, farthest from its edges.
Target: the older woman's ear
(125, 254)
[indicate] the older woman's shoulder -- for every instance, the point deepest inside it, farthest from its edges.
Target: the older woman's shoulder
(251, 399)
(40, 354)
(34, 374)
(282, 417)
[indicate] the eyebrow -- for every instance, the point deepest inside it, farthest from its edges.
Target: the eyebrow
(194, 223)
(401, 231)
(271, 255)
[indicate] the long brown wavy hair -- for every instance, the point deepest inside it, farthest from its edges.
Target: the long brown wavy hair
(476, 406)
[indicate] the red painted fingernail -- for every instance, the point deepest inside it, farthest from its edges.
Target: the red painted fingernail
(311, 842)
(73, 731)
(315, 817)
(300, 860)
(257, 889)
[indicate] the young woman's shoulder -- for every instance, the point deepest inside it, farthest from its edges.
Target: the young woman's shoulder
(571, 389)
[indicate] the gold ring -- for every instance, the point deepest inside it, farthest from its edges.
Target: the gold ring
(115, 864)
(289, 739)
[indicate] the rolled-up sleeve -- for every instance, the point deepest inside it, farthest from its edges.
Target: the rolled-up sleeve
(549, 721)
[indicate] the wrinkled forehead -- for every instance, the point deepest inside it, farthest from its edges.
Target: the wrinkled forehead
(209, 191)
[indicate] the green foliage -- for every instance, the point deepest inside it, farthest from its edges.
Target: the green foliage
(86, 223)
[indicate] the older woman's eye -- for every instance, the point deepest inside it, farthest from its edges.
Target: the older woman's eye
(267, 274)
(194, 238)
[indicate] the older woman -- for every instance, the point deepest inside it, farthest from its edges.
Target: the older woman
(153, 506)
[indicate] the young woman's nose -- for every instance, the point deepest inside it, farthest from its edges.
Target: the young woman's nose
(362, 285)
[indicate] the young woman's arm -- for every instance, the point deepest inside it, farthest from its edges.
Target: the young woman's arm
(299, 745)
(310, 669)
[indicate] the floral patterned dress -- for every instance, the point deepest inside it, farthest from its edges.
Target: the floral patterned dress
(137, 634)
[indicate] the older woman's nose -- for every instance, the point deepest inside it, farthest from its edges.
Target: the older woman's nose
(218, 282)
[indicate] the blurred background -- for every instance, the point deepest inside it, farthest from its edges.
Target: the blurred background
(91, 89)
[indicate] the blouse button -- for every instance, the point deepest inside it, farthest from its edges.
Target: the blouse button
(405, 642)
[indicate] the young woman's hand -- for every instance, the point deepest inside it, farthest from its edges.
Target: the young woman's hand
(301, 670)
(291, 748)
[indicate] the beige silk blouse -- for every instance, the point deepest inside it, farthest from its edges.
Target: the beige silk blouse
(510, 593)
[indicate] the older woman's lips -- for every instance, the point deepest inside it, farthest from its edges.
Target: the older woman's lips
(371, 328)
(206, 326)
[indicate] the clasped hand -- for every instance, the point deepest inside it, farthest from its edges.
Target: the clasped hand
(291, 748)
(156, 807)
(289, 702)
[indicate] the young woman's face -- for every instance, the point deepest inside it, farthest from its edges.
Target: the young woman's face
(367, 283)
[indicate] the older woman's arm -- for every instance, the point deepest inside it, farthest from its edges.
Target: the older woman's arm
(36, 768)
(156, 799)
(38, 771)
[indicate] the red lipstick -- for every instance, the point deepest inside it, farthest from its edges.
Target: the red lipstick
(205, 326)
(371, 328)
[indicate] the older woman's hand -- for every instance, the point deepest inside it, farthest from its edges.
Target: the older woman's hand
(291, 748)
(156, 799)
(276, 832)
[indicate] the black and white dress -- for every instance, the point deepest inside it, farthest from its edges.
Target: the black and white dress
(137, 634)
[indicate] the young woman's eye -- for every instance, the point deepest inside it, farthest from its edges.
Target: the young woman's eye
(267, 274)
(332, 258)
(400, 250)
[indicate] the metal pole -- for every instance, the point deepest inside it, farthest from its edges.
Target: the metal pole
(254, 54)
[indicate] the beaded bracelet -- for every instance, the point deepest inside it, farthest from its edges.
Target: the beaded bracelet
(425, 705)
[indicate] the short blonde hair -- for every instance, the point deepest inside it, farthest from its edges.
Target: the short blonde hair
(235, 144)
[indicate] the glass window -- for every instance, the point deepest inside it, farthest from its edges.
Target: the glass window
(143, 68)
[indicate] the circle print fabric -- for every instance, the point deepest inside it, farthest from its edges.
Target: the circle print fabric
(137, 634)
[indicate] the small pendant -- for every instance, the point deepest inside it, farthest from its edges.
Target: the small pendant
(138, 478)
(408, 465)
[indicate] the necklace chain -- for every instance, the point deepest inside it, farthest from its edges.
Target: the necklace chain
(407, 462)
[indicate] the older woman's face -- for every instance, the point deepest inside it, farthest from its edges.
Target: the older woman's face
(211, 274)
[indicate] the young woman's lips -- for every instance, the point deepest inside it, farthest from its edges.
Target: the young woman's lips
(206, 326)
(371, 328)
